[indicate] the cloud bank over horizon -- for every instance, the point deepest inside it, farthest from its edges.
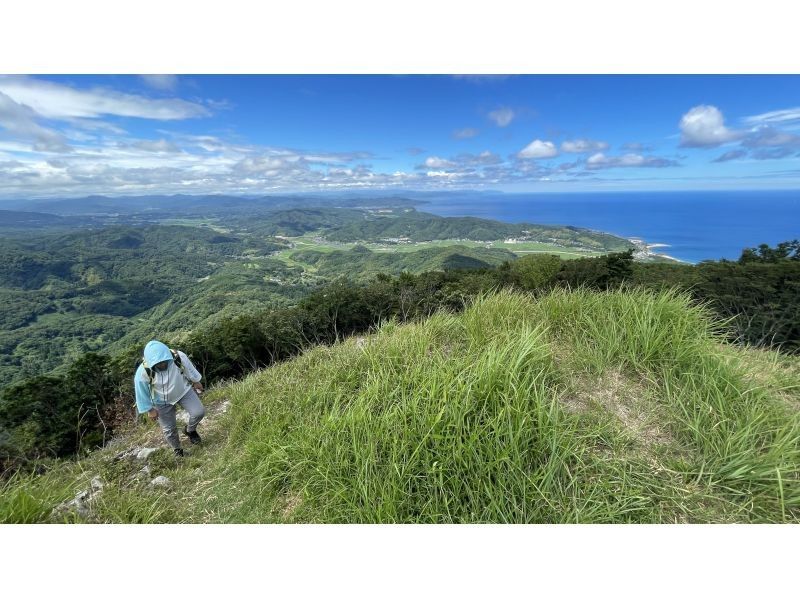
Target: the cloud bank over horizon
(173, 134)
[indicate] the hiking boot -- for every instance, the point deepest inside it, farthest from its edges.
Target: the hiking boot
(178, 452)
(194, 437)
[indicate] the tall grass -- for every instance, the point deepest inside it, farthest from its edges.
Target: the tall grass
(461, 418)
(504, 413)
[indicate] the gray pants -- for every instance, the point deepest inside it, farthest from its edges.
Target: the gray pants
(166, 417)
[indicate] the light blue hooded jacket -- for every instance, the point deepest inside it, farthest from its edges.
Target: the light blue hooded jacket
(154, 352)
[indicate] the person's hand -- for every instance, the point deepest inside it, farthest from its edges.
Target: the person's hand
(198, 387)
(153, 414)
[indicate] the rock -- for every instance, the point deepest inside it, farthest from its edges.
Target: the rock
(183, 417)
(131, 452)
(144, 453)
(160, 481)
(82, 501)
(142, 474)
(224, 407)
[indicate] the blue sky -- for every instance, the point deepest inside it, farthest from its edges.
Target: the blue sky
(125, 134)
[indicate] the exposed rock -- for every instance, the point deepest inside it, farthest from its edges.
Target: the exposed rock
(223, 407)
(144, 453)
(143, 473)
(183, 417)
(81, 504)
(160, 481)
(131, 452)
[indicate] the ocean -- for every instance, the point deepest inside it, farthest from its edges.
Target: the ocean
(691, 226)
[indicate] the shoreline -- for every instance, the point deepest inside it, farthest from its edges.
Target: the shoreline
(644, 250)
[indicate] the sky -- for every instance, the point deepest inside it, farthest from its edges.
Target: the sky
(125, 134)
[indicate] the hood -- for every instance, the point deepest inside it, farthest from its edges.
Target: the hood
(156, 351)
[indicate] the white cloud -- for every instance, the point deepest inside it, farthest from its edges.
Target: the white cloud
(538, 149)
(56, 101)
(768, 137)
(502, 117)
(600, 160)
(20, 122)
(465, 133)
(160, 146)
(704, 126)
(161, 82)
(731, 155)
(776, 116)
(582, 146)
(437, 162)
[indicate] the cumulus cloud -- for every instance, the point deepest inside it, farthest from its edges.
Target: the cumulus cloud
(437, 162)
(600, 160)
(704, 126)
(161, 82)
(56, 101)
(20, 121)
(465, 133)
(583, 146)
(731, 155)
(502, 117)
(538, 149)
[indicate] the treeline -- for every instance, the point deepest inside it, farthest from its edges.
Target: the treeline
(46, 416)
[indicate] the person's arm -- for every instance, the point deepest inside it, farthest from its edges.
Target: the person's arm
(191, 372)
(144, 404)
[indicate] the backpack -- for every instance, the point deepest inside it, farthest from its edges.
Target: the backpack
(151, 377)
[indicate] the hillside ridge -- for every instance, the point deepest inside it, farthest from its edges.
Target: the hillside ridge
(621, 406)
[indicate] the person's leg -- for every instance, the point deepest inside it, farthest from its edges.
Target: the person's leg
(166, 417)
(191, 402)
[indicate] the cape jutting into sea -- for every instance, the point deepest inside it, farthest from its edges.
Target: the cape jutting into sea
(690, 225)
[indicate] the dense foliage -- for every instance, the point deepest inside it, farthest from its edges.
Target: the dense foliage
(68, 293)
(113, 289)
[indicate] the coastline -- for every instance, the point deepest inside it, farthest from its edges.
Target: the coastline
(644, 251)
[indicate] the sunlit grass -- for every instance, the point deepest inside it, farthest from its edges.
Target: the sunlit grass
(577, 406)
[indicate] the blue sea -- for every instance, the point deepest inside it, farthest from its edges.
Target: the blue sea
(693, 225)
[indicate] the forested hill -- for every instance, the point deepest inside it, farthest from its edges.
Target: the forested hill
(420, 226)
(14, 219)
(68, 292)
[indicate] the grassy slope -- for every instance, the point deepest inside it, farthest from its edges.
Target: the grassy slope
(575, 407)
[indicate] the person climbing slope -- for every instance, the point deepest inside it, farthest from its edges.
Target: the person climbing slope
(166, 378)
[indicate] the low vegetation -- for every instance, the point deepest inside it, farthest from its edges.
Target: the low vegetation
(612, 406)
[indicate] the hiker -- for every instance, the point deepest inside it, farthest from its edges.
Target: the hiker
(166, 378)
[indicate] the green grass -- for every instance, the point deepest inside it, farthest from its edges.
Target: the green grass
(576, 406)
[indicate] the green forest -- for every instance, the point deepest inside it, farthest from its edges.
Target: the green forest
(103, 287)
(74, 408)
